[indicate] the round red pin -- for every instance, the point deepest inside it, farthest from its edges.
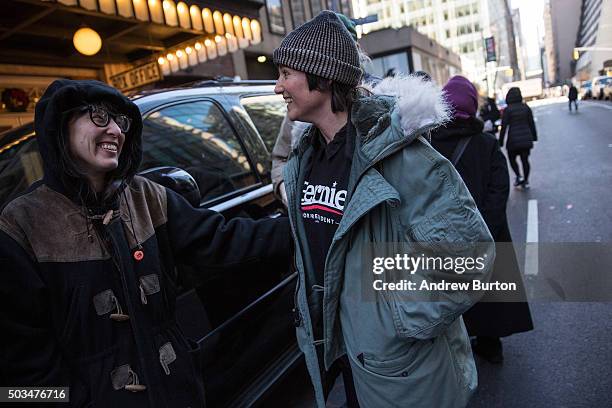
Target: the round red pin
(138, 255)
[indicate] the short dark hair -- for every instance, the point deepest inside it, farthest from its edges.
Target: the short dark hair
(343, 95)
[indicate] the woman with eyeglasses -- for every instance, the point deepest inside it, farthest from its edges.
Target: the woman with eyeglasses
(88, 256)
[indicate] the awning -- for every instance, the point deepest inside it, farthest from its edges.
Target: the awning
(175, 34)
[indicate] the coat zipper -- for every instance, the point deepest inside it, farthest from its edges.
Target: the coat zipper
(297, 316)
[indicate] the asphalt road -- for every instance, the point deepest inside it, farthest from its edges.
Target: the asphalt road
(566, 361)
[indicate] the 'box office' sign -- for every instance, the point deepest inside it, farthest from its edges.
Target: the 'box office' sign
(139, 76)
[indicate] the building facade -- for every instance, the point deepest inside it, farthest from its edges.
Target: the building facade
(460, 25)
(519, 40)
(405, 50)
(594, 40)
(278, 18)
(561, 20)
(131, 44)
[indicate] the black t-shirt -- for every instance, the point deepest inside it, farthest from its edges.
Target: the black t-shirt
(324, 192)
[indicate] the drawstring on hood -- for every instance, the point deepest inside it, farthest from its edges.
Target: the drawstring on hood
(139, 253)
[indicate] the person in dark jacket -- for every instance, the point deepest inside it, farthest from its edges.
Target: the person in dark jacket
(490, 112)
(483, 168)
(88, 260)
(517, 122)
(573, 97)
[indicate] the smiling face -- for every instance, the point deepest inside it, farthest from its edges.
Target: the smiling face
(95, 149)
(302, 103)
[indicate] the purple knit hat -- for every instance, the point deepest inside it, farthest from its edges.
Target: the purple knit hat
(463, 96)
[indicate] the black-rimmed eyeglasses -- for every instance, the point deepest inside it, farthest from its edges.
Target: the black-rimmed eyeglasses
(101, 117)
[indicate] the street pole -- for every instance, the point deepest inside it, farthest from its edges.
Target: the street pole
(490, 55)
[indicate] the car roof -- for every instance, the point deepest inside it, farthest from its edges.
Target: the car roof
(147, 99)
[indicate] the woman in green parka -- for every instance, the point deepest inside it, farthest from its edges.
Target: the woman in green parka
(365, 174)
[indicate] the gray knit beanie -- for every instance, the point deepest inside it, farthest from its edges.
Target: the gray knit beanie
(323, 47)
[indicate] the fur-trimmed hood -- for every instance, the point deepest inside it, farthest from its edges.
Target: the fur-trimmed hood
(418, 103)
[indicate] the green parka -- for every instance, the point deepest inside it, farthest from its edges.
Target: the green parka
(403, 352)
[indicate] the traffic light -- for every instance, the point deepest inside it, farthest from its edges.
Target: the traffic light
(576, 55)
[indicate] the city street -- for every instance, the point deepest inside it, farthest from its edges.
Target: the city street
(157, 181)
(567, 360)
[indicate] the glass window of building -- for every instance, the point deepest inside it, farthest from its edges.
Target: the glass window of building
(316, 6)
(390, 65)
(345, 7)
(275, 16)
(298, 13)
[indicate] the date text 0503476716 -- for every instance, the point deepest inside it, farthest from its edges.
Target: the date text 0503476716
(34, 394)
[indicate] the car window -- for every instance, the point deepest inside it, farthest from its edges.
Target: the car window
(267, 113)
(20, 166)
(197, 138)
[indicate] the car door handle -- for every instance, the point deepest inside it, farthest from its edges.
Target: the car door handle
(276, 214)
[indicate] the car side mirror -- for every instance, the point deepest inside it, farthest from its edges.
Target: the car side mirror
(177, 180)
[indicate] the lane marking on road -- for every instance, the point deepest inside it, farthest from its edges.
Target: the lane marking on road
(531, 249)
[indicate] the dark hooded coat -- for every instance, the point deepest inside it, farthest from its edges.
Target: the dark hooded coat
(489, 111)
(483, 168)
(517, 120)
(79, 308)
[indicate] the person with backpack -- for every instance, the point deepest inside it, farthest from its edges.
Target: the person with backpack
(519, 132)
(482, 166)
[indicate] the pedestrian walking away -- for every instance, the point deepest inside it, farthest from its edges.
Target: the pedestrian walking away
(364, 172)
(88, 261)
(519, 132)
(483, 168)
(572, 96)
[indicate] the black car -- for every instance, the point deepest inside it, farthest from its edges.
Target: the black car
(222, 135)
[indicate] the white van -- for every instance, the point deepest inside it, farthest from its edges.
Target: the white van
(599, 85)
